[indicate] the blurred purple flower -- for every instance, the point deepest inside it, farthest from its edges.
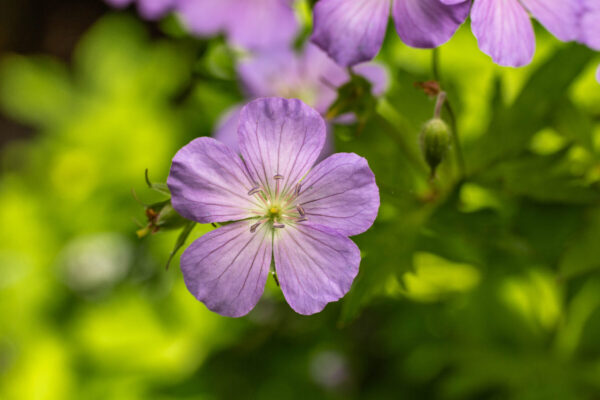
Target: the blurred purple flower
(149, 9)
(590, 26)
(310, 76)
(352, 31)
(251, 24)
(282, 208)
(504, 31)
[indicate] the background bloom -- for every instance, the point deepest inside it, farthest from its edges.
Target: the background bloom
(283, 208)
(353, 31)
(149, 9)
(504, 30)
(251, 24)
(310, 76)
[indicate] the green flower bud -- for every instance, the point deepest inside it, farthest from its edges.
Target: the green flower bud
(435, 141)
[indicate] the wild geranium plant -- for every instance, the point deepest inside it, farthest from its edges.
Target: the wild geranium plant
(276, 207)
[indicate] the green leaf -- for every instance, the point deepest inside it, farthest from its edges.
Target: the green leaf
(544, 178)
(583, 253)
(512, 128)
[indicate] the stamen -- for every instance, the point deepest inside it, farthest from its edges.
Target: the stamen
(300, 210)
(302, 219)
(297, 189)
(254, 190)
(278, 225)
(277, 178)
(256, 225)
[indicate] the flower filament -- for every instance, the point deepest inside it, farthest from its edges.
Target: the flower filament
(279, 207)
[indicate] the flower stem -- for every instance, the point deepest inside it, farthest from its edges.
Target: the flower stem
(443, 101)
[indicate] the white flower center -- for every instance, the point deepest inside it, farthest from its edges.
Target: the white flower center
(280, 207)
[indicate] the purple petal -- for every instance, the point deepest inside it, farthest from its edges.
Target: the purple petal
(341, 193)
(315, 266)
(208, 183)
(376, 74)
(227, 126)
(153, 9)
(350, 31)
(503, 31)
(262, 24)
(273, 73)
(227, 268)
(427, 23)
(558, 16)
(205, 17)
(452, 2)
(280, 137)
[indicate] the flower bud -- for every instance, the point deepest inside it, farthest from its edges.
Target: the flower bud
(435, 141)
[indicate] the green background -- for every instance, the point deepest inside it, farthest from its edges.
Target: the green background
(481, 285)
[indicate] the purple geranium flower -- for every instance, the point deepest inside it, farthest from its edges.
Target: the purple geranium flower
(251, 24)
(504, 30)
(281, 206)
(310, 76)
(149, 9)
(352, 31)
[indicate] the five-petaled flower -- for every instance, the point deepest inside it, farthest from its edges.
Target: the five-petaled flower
(278, 206)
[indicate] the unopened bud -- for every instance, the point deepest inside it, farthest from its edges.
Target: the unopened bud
(435, 141)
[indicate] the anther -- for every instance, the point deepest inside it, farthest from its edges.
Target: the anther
(300, 210)
(254, 190)
(278, 177)
(302, 219)
(297, 189)
(278, 226)
(256, 225)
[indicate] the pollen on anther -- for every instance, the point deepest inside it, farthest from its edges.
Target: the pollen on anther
(278, 177)
(300, 210)
(302, 219)
(297, 189)
(256, 225)
(254, 190)
(278, 226)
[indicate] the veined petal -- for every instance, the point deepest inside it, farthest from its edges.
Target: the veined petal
(206, 17)
(427, 23)
(558, 16)
(315, 265)
(503, 31)
(262, 24)
(227, 268)
(209, 183)
(280, 137)
(350, 31)
(341, 193)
